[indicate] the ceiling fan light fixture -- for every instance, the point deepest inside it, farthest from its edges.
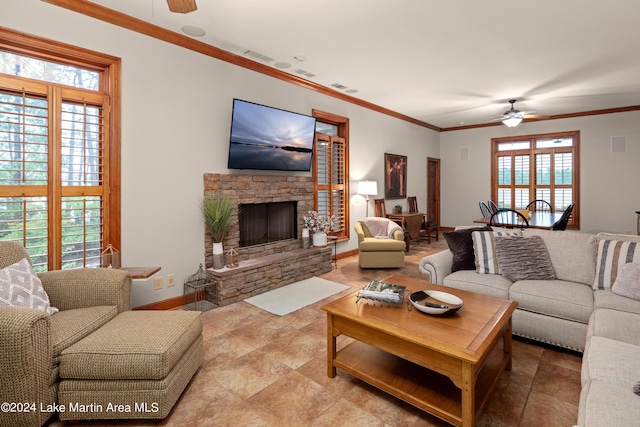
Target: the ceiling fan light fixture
(512, 121)
(193, 31)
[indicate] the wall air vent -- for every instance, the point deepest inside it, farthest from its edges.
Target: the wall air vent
(257, 55)
(304, 73)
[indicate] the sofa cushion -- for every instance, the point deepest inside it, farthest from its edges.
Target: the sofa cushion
(611, 361)
(608, 324)
(607, 299)
(487, 284)
(70, 326)
(21, 287)
(484, 250)
(627, 283)
(604, 404)
(572, 253)
(523, 258)
(461, 246)
(557, 298)
(612, 255)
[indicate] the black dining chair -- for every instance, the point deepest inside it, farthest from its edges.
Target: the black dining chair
(561, 224)
(508, 218)
(539, 205)
(486, 212)
(492, 206)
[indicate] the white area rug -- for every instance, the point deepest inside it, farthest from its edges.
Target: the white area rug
(292, 297)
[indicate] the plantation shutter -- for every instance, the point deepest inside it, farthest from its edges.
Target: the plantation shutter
(330, 171)
(52, 172)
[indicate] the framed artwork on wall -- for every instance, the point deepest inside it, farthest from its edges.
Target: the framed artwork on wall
(395, 176)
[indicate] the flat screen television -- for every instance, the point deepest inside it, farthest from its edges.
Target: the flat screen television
(267, 138)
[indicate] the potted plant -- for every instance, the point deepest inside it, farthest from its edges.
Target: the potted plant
(218, 212)
(319, 225)
(397, 209)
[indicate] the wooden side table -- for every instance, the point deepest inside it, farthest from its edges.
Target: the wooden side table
(141, 272)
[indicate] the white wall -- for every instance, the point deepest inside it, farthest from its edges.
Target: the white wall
(609, 182)
(175, 127)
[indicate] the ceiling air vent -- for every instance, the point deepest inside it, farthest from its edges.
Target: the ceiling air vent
(339, 86)
(257, 55)
(304, 73)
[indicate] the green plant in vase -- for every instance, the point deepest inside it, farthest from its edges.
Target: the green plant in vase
(218, 212)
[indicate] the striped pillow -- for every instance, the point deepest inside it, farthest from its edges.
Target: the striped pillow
(484, 250)
(612, 255)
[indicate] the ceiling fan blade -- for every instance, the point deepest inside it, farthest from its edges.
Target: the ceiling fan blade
(182, 6)
(535, 117)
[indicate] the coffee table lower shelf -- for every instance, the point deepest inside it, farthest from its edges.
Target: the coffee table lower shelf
(425, 389)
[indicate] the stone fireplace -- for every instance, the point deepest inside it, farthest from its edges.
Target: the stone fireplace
(258, 189)
(274, 261)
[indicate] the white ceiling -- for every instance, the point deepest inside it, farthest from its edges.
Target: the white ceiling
(447, 62)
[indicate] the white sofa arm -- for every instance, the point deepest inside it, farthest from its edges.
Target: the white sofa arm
(437, 266)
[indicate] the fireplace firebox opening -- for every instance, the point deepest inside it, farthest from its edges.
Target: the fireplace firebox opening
(262, 223)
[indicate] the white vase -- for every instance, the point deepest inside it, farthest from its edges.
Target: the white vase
(218, 256)
(319, 239)
(305, 238)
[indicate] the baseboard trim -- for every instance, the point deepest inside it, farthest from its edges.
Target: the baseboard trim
(167, 304)
(347, 254)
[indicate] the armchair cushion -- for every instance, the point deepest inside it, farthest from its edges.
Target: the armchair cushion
(21, 287)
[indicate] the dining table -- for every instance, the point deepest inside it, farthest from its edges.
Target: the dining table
(537, 219)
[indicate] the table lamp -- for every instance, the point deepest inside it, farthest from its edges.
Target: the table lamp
(366, 189)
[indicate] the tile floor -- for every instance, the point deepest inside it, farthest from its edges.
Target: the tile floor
(260, 369)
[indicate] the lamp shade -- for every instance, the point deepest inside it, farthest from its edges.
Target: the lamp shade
(368, 188)
(512, 121)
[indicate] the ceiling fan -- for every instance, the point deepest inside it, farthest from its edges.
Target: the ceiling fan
(182, 6)
(513, 117)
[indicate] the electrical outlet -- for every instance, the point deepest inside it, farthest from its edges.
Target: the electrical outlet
(171, 280)
(158, 283)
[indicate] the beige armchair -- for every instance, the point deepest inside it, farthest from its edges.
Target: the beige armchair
(31, 340)
(380, 252)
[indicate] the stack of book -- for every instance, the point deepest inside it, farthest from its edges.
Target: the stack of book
(382, 291)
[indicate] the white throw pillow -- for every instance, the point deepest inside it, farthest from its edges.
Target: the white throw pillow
(21, 287)
(627, 282)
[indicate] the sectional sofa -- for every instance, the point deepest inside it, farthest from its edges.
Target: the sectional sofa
(574, 308)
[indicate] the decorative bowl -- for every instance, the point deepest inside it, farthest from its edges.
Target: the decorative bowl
(446, 303)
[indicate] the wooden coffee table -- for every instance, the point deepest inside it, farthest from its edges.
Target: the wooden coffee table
(446, 366)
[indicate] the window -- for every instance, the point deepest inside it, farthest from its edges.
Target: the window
(59, 159)
(331, 169)
(537, 167)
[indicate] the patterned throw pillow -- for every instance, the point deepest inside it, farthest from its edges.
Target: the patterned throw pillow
(21, 287)
(484, 250)
(612, 255)
(523, 258)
